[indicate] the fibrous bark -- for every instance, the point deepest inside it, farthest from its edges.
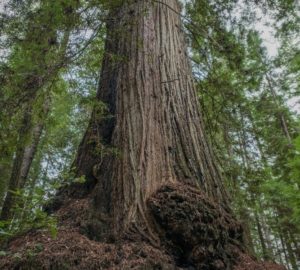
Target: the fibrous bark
(152, 131)
(157, 197)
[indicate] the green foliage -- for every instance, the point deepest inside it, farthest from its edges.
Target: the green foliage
(294, 163)
(28, 214)
(243, 95)
(52, 53)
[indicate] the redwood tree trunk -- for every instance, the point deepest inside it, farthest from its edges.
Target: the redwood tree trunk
(147, 162)
(151, 132)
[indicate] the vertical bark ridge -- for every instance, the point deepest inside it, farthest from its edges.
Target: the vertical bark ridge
(152, 121)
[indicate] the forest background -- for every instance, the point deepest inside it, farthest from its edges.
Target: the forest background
(246, 62)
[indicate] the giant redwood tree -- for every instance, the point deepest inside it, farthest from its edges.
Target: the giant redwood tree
(153, 196)
(151, 133)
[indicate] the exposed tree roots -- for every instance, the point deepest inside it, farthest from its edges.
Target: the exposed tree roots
(195, 233)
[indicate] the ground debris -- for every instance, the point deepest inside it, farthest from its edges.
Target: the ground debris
(246, 262)
(199, 232)
(72, 250)
(195, 233)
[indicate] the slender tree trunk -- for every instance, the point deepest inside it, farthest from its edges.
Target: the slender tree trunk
(29, 153)
(31, 149)
(261, 237)
(266, 232)
(290, 251)
(295, 242)
(278, 250)
(14, 181)
(29, 136)
(281, 118)
(152, 132)
(5, 170)
(31, 187)
(284, 251)
(267, 235)
(245, 218)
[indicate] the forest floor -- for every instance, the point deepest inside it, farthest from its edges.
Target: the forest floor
(195, 233)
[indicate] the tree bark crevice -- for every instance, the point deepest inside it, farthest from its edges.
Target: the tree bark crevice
(153, 185)
(152, 121)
